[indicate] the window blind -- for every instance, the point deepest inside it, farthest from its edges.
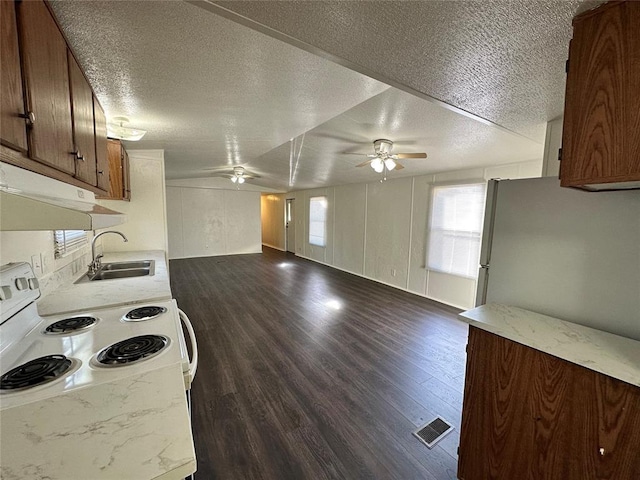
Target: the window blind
(456, 229)
(67, 241)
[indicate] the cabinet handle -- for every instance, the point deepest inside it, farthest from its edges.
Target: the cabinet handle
(100, 172)
(30, 117)
(78, 155)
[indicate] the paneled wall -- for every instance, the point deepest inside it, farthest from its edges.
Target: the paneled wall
(206, 222)
(379, 230)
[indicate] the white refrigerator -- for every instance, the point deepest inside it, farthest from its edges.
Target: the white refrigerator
(562, 252)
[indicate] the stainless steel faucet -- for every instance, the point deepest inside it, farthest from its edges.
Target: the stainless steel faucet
(95, 264)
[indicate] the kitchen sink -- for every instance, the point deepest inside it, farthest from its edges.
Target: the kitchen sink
(115, 270)
(111, 274)
(127, 265)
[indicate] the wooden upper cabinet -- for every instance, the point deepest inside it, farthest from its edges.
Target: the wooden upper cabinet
(119, 184)
(46, 75)
(83, 123)
(13, 130)
(102, 158)
(601, 135)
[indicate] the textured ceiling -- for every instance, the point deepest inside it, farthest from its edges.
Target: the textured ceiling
(451, 141)
(501, 60)
(210, 92)
(214, 93)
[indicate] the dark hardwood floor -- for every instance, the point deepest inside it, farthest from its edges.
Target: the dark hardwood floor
(307, 372)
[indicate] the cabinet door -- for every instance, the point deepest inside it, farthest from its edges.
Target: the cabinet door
(13, 130)
(102, 158)
(116, 186)
(602, 105)
(83, 124)
(44, 62)
(126, 177)
(527, 414)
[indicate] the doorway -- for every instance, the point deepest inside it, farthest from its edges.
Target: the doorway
(290, 236)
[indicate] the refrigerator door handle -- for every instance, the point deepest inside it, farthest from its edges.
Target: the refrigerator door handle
(483, 281)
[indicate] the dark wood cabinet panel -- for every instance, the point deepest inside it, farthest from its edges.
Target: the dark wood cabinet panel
(102, 156)
(527, 414)
(83, 123)
(44, 62)
(600, 141)
(119, 183)
(13, 129)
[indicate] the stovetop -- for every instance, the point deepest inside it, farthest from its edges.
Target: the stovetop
(84, 349)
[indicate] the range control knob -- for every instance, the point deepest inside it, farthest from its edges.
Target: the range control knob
(33, 283)
(21, 283)
(5, 293)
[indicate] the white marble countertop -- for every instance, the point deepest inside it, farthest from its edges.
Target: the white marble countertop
(603, 352)
(134, 428)
(110, 293)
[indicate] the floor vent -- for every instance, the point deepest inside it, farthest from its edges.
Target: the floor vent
(433, 432)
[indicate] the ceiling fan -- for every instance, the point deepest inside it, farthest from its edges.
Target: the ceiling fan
(237, 175)
(383, 160)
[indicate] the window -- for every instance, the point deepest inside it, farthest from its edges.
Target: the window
(318, 221)
(456, 228)
(67, 241)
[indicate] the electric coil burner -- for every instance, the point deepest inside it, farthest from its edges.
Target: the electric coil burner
(132, 350)
(71, 324)
(36, 372)
(144, 313)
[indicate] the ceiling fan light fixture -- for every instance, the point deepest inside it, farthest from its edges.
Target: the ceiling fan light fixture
(378, 165)
(240, 179)
(390, 163)
(234, 179)
(116, 129)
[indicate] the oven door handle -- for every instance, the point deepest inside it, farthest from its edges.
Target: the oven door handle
(193, 364)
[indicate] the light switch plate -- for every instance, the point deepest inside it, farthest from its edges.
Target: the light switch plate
(36, 264)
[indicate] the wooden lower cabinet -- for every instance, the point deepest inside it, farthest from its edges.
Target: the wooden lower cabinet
(529, 415)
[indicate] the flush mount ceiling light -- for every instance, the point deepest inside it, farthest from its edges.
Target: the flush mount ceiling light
(116, 129)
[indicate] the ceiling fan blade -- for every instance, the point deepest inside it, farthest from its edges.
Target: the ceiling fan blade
(398, 166)
(411, 155)
(364, 163)
(370, 155)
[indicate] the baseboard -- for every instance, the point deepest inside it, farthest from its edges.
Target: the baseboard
(274, 247)
(454, 308)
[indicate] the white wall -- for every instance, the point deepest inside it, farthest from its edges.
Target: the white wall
(146, 225)
(379, 230)
(211, 221)
(553, 142)
(21, 246)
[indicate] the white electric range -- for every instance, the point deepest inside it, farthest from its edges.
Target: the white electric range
(42, 357)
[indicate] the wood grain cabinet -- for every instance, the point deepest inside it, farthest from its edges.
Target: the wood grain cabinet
(601, 135)
(46, 76)
(84, 137)
(119, 179)
(102, 156)
(527, 414)
(51, 122)
(13, 129)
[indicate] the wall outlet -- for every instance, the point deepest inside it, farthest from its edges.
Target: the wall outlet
(36, 264)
